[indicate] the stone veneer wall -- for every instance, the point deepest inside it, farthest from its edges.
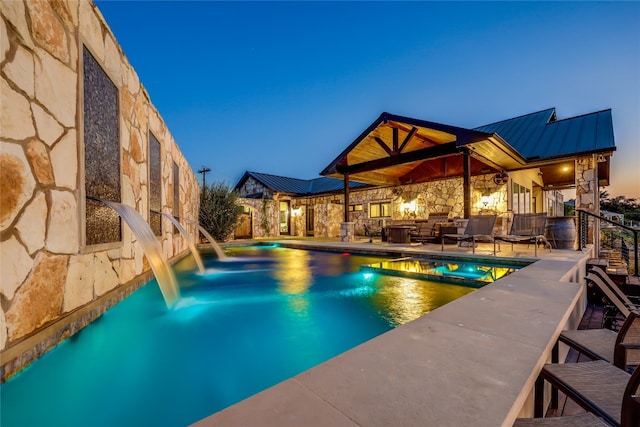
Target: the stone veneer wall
(261, 209)
(436, 197)
(47, 272)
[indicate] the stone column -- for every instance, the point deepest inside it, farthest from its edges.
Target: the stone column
(347, 231)
(588, 194)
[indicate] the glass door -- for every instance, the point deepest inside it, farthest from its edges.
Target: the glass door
(284, 217)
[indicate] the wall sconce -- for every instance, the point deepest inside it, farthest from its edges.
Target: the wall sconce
(486, 199)
(296, 211)
(408, 209)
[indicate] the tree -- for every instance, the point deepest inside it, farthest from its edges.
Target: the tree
(219, 210)
(620, 204)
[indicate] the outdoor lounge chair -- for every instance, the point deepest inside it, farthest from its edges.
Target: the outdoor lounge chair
(479, 229)
(621, 304)
(597, 386)
(526, 228)
(631, 302)
(621, 349)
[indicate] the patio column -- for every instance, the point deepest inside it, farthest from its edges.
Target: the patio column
(466, 186)
(588, 193)
(346, 197)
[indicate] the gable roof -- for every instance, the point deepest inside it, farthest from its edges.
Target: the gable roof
(301, 187)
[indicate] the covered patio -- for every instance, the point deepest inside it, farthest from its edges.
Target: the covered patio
(513, 166)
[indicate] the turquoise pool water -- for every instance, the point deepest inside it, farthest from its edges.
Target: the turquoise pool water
(240, 328)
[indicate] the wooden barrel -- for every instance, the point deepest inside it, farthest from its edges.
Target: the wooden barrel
(561, 231)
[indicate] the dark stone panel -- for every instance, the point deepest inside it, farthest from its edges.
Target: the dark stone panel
(176, 194)
(155, 185)
(101, 152)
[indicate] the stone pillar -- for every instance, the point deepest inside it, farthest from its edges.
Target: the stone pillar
(588, 194)
(347, 231)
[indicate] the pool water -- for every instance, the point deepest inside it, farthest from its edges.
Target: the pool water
(238, 329)
(475, 273)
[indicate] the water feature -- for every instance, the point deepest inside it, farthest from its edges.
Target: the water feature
(218, 250)
(192, 246)
(229, 337)
(151, 247)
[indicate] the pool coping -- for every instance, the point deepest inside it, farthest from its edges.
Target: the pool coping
(446, 368)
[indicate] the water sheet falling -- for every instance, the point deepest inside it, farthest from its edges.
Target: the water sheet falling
(212, 241)
(151, 247)
(192, 247)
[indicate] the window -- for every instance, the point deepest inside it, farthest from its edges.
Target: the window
(155, 186)
(379, 209)
(521, 199)
(101, 132)
(355, 208)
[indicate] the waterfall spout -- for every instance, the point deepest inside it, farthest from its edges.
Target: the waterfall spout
(151, 247)
(192, 247)
(221, 255)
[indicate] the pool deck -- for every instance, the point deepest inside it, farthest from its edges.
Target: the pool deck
(473, 361)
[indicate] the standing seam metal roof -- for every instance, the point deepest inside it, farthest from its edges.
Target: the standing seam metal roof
(298, 186)
(540, 136)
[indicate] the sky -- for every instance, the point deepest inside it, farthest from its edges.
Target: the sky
(284, 87)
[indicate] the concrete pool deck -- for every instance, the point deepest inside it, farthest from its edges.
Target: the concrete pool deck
(473, 361)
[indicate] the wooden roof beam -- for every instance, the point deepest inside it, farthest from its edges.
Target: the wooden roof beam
(384, 146)
(423, 138)
(407, 138)
(450, 148)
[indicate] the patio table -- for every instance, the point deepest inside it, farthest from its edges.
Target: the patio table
(399, 233)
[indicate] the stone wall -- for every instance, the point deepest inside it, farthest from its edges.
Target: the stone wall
(47, 270)
(251, 187)
(587, 184)
(264, 214)
(408, 202)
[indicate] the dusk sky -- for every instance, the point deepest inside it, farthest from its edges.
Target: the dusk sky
(283, 88)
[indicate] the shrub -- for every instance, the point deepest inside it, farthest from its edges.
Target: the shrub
(219, 211)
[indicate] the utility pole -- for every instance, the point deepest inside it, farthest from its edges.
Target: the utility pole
(203, 170)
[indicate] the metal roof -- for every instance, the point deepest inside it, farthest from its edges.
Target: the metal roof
(282, 184)
(540, 136)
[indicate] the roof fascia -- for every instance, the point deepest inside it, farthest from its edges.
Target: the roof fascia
(332, 166)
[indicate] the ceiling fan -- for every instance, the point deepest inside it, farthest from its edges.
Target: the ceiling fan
(500, 178)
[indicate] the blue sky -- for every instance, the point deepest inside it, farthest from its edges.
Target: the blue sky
(284, 87)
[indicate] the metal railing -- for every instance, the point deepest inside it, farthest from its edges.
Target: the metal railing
(612, 236)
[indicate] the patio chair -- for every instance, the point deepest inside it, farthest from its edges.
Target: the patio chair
(479, 229)
(621, 349)
(525, 228)
(619, 302)
(630, 301)
(598, 387)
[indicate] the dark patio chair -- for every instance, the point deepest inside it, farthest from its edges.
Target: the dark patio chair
(621, 349)
(479, 229)
(630, 301)
(598, 387)
(525, 228)
(619, 302)
(371, 232)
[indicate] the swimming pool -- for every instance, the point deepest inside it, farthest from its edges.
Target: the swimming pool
(475, 273)
(237, 330)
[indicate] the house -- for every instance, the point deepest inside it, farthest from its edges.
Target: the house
(402, 168)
